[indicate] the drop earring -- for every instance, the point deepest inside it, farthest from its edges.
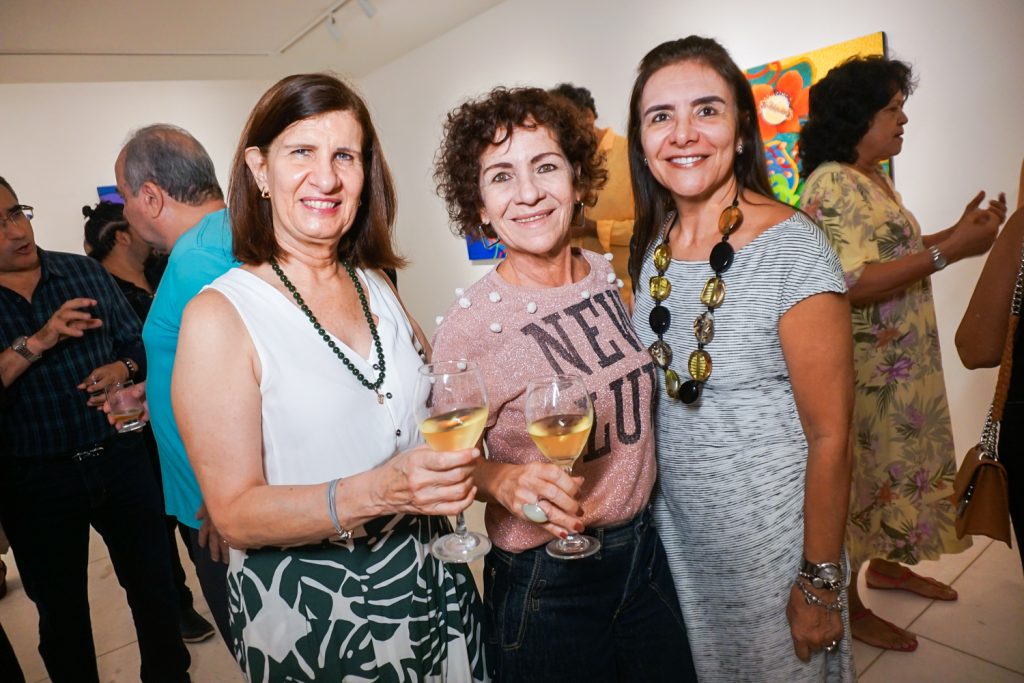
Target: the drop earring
(583, 214)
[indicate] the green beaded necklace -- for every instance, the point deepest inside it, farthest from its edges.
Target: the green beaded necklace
(379, 365)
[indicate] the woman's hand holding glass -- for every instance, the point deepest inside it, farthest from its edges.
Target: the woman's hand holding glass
(451, 408)
(427, 482)
(559, 416)
(549, 487)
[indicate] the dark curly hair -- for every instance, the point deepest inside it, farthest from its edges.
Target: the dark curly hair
(102, 224)
(843, 104)
(653, 202)
(489, 120)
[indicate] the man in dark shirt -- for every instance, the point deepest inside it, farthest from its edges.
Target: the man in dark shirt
(67, 333)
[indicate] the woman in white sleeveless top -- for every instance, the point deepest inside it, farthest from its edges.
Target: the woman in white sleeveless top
(292, 388)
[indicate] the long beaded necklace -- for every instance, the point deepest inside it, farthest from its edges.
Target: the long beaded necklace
(379, 365)
(712, 295)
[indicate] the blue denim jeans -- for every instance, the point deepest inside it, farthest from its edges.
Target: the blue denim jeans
(611, 617)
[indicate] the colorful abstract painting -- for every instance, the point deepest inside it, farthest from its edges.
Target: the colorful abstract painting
(780, 93)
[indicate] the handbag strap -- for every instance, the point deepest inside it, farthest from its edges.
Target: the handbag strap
(1006, 363)
(990, 433)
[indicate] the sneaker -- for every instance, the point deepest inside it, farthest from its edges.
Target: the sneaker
(194, 628)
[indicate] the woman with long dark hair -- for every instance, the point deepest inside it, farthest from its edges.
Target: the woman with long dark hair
(740, 300)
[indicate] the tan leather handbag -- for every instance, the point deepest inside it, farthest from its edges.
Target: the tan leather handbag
(980, 487)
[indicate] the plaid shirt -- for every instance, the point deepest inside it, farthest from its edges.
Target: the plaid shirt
(43, 412)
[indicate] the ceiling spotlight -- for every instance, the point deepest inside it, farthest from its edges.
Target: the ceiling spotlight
(368, 9)
(332, 27)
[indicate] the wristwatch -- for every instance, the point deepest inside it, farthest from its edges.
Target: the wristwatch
(938, 259)
(20, 347)
(827, 575)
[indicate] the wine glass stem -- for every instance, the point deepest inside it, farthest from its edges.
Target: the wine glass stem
(460, 526)
(571, 537)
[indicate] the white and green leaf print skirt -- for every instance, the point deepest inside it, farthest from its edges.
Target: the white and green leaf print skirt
(379, 608)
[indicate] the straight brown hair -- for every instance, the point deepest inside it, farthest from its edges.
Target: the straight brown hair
(369, 242)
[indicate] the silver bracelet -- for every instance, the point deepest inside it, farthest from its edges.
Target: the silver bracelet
(342, 534)
(812, 599)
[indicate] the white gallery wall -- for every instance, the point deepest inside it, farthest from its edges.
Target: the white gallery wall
(58, 141)
(964, 132)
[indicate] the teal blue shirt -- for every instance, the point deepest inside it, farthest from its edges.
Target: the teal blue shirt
(198, 258)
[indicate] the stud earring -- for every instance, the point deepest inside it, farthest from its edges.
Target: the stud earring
(739, 148)
(645, 161)
(265, 194)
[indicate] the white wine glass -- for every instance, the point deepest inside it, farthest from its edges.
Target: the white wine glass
(451, 408)
(559, 415)
(125, 407)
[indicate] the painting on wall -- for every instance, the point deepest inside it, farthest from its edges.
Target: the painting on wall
(109, 193)
(484, 249)
(781, 91)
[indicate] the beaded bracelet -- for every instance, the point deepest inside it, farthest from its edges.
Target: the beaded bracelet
(812, 599)
(130, 365)
(342, 534)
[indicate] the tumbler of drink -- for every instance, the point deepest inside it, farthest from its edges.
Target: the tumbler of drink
(451, 408)
(559, 415)
(125, 407)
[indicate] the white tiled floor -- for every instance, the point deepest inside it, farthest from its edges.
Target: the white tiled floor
(113, 631)
(976, 639)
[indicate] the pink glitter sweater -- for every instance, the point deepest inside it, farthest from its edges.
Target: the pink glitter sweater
(516, 334)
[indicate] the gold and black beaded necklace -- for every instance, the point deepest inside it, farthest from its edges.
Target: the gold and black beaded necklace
(379, 365)
(712, 295)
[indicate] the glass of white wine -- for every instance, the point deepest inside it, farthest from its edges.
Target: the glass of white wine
(451, 408)
(125, 407)
(559, 415)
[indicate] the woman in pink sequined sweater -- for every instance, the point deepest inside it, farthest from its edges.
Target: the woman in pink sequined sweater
(519, 166)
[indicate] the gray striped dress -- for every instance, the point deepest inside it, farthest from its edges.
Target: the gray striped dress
(729, 497)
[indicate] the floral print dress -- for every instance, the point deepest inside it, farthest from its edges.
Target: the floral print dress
(904, 460)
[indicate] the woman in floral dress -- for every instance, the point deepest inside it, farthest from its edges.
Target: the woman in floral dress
(904, 461)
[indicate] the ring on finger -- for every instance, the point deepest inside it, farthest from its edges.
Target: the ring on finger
(832, 646)
(535, 513)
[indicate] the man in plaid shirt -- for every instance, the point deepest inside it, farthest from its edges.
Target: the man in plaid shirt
(67, 333)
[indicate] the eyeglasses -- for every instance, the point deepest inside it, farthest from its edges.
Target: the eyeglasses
(16, 213)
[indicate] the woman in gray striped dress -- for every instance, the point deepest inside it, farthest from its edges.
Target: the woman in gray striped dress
(741, 302)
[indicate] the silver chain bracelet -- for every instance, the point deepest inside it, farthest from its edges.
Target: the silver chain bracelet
(813, 599)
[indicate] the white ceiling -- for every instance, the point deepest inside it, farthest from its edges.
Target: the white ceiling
(117, 40)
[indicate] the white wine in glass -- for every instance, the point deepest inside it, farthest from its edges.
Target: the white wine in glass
(451, 408)
(559, 416)
(455, 430)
